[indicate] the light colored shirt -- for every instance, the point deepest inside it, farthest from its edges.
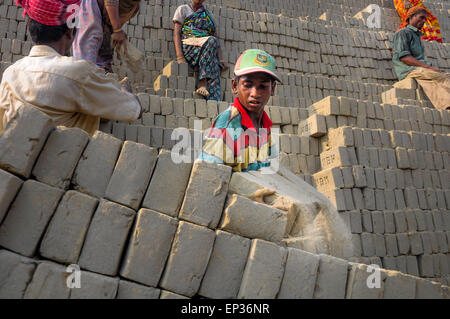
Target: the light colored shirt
(182, 13)
(74, 93)
(407, 42)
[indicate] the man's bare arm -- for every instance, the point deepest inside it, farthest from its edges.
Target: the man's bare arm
(410, 60)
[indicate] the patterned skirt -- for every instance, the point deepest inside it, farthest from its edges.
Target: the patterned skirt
(205, 60)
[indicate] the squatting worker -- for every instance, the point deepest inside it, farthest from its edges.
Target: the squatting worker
(74, 93)
(240, 136)
(100, 31)
(409, 60)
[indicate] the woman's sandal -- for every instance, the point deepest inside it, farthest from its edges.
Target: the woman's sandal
(202, 91)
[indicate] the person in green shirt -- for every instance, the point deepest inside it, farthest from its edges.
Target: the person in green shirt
(409, 60)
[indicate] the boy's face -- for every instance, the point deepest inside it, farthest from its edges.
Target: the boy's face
(254, 90)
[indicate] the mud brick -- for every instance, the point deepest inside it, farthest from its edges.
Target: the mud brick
(368, 244)
(327, 106)
(383, 160)
(49, 282)
(348, 199)
(118, 131)
(186, 266)
(358, 198)
(416, 243)
(401, 263)
(391, 245)
(389, 199)
(348, 177)
(412, 200)
(401, 225)
(391, 157)
(367, 221)
(65, 234)
(15, 274)
(399, 199)
(208, 185)
(427, 289)
(426, 268)
(391, 178)
(189, 107)
(9, 186)
(329, 179)
(201, 109)
(301, 267)
(131, 132)
(28, 217)
(336, 157)
(226, 266)
(403, 243)
(380, 245)
(426, 242)
(363, 156)
(389, 263)
(95, 286)
(96, 165)
(399, 286)
(106, 237)
(60, 156)
(369, 198)
(130, 290)
(337, 198)
(378, 222)
(149, 247)
(411, 221)
(331, 267)
(355, 222)
(412, 266)
(131, 175)
(342, 136)
(367, 138)
(239, 219)
(144, 99)
(359, 176)
(167, 186)
(22, 140)
(314, 126)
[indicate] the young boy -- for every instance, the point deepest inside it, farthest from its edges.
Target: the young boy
(240, 136)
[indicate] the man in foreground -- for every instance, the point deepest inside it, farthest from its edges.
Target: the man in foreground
(409, 60)
(74, 93)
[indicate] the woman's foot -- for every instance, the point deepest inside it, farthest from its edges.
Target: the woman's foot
(202, 91)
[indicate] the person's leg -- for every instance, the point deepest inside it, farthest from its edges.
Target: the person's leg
(436, 86)
(89, 36)
(209, 69)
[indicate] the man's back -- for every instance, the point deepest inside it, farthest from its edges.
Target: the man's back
(74, 93)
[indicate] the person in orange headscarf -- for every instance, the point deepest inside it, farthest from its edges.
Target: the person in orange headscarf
(431, 29)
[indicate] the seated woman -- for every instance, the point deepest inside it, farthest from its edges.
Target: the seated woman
(196, 43)
(431, 30)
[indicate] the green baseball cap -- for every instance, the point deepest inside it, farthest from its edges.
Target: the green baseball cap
(254, 60)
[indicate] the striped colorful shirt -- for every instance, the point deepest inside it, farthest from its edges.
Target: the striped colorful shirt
(233, 140)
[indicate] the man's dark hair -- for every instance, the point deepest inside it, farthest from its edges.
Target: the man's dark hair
(45, 34)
